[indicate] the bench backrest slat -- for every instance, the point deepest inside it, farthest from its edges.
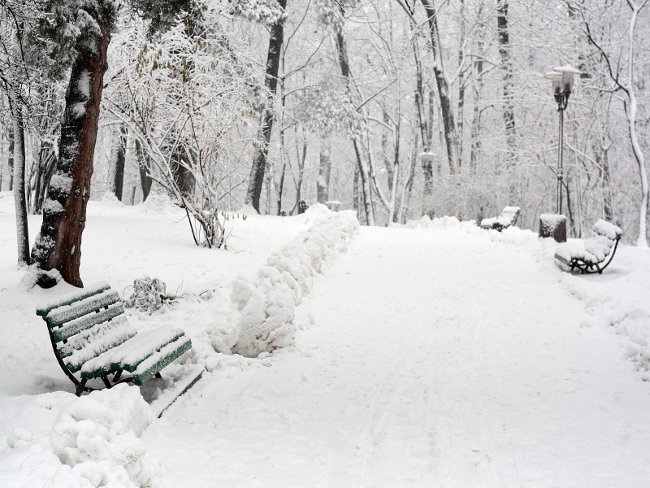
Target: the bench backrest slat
(68, 313)
(90, 320)
(45, 308)
(90, 344)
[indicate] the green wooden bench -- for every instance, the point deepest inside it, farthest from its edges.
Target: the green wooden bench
(92, 339)
(507, 218)
(591, 255)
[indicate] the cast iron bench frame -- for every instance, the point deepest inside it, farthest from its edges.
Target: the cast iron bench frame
(587, 267)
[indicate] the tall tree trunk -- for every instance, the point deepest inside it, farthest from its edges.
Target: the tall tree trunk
(301, 156)
(461, 83)
(324, 171)
(362, 166)
(144, 167)
(503, 35)
(388, 163)
(631, 108)
(64, 214)
(43, 174)
(425, 130)
(120, 160)
(475, 130)
(448, 122)
(264, 136)
(407, 189)
(20, 199)
(8, 178)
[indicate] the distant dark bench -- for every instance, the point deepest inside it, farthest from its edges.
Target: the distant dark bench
(591, 255)
(507, 218)
(91, 339)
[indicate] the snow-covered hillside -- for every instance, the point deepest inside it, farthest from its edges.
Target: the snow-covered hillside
(435, 354)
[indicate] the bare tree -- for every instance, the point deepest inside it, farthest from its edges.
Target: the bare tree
(622, 74)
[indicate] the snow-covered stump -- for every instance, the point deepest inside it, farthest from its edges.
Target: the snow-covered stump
(553, 225)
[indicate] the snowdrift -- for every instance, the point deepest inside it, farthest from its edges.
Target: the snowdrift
(267, 303)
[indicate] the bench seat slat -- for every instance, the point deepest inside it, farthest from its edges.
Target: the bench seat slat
(96, 341)
(82, 323)
(157, 361)
(130, 354)
(67, 313)
(46, 307)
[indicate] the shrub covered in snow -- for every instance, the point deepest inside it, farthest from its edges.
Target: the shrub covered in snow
(149, 294)
(267, 304)
(98, 437)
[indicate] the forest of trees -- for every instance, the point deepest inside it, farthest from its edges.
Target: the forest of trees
(221, 103)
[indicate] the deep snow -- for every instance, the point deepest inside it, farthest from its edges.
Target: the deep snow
(433, 355)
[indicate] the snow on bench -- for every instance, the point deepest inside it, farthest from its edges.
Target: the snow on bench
(507, 218)
(590, 255)
(90, 335)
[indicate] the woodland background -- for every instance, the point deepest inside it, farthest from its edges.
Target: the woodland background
(362, 89)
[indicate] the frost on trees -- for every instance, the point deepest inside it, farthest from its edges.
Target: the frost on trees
(79, 32)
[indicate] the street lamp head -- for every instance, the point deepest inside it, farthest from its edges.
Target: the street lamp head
(427, 157)
(562, 78)
(568, 74)
(556, 80)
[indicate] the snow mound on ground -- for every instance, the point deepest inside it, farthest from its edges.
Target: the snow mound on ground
(267, 304)
(98, 437)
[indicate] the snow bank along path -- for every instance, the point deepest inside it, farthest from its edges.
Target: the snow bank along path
(424, 358)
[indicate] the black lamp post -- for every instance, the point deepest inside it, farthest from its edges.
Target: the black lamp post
(562, 78)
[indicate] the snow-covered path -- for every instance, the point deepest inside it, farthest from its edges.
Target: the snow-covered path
(423, 358)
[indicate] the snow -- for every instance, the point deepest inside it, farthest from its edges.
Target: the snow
(608, 230)
(62, 183)
(551, 221)
(507, 217)
(83, 85)
(52, 206)
(432, 354)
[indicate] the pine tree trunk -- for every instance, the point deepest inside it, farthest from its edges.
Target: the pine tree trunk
(258, 168)
(64, 212)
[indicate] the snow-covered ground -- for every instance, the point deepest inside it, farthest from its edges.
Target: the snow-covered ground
(436, 354)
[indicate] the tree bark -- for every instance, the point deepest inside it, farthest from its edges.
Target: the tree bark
(258, 168)
(8, 177)
(475, 130)
(461, 83)
(364, 185)
(120, 160)
(448, 122)
(64, 214)
(20, 199)
(503, 35)
(144, 169)
(425, 131)
(324, 171)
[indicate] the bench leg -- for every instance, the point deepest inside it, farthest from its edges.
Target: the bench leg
(106, 382)
(116, 378)
(158, 375)
(80, 388)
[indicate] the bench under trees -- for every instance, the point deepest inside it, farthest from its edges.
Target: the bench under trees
(507, 218)
(591, 255)
(92, 340)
